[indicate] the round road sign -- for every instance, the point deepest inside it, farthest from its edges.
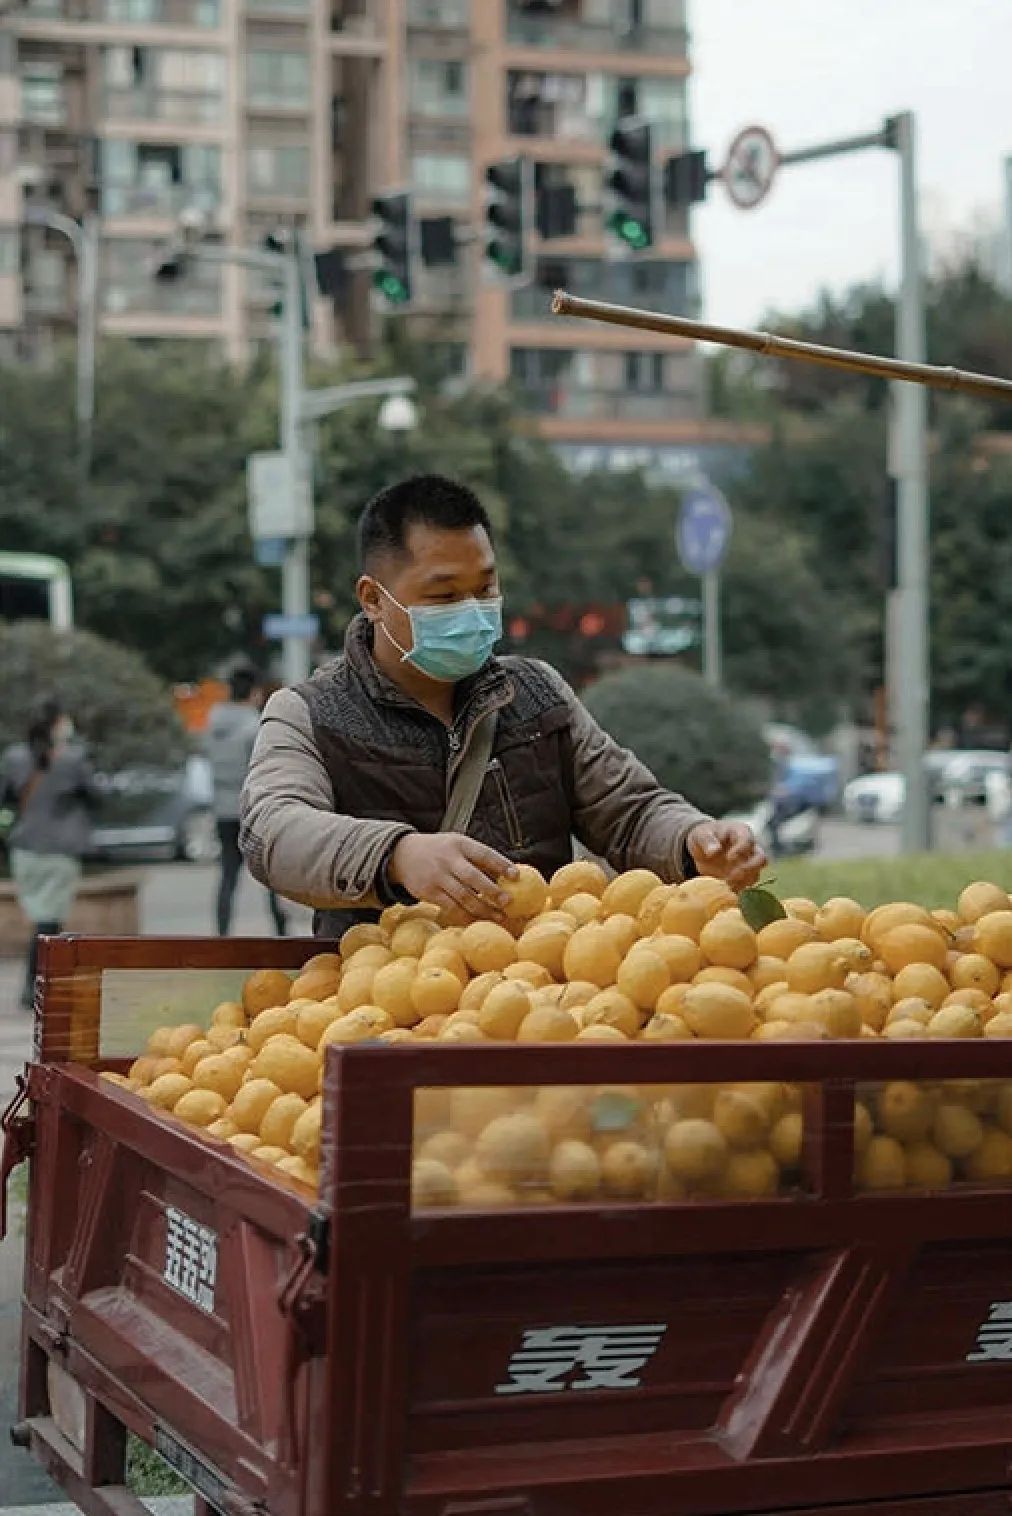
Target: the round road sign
(751, 165)
(704, 529)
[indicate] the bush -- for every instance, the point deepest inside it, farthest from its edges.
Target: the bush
(124, 713)
(696, 739)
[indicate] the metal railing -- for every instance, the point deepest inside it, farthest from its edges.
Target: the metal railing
(144, 103)
(439, 15)
(541, 30)
(162, 200)
(202, 14)
(578, 403)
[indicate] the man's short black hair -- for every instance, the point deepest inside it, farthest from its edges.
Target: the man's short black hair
(426, 499)
(242, 682)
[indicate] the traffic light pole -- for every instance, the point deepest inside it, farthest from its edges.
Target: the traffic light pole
(908, 454)
(295, 590)
(908, 662)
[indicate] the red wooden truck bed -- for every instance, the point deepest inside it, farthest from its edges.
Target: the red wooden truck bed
(339, 1355)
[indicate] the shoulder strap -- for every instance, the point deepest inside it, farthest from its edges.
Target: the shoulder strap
(28, 790)
(467, 781)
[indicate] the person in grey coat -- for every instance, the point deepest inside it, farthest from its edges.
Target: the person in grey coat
(49, 783)
(231, 732)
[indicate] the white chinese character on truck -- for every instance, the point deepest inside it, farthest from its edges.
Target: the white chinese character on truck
(994, 1336)
(191, 1258)
(602, 1358)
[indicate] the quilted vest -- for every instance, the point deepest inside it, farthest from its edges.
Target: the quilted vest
(389, 759)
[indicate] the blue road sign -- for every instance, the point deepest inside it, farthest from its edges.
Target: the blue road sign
(704, 529)
(269, 552)
(278, 626)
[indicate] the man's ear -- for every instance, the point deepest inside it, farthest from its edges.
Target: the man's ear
(369, 596)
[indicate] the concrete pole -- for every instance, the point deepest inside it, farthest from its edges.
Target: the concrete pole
(711, 628)
(295, 568)
(909, 450)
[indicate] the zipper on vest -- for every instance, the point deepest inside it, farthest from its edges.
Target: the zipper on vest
(453, 741)
(513, 827)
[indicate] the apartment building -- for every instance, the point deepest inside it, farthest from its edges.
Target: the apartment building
(259, 112)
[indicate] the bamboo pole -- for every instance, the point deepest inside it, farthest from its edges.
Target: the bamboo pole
(770, 346)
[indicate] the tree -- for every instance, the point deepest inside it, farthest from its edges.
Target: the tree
(693, 737)
(122, 711)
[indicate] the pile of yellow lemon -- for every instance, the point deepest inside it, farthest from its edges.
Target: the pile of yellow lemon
(582, 958)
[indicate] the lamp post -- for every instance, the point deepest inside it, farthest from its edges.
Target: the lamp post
(300, 408)
(83, 237)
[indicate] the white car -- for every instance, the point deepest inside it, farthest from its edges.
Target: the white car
(874, 798)
(956, 778)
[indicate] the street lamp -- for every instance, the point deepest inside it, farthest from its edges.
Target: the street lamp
(299, 409)
(83, 237)
(398, 413)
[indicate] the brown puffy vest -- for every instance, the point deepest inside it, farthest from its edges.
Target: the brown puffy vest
(389, 759)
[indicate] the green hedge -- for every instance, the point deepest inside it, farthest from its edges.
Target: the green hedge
(695, 738)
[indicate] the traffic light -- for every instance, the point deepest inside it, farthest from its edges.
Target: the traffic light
(170, 265)
(630, 180)
(507, 216)
(394, 245)
(437, 241)
(685, 179)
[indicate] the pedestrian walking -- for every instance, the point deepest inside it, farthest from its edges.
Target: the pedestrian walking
(49, 788)
(231, 732)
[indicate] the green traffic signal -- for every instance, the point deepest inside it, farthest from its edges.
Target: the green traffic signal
(506, 258)
(390, 286)
(630, 231)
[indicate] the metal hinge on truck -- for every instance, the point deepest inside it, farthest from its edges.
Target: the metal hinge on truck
(18, 1141)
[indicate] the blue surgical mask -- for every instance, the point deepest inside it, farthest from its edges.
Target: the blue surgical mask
(450, 642)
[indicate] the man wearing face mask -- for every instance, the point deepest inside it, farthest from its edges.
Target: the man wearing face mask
(353, 799)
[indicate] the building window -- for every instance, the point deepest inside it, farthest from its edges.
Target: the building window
(163, 84)
(551, 105)
(437, 87)
(277, 170)
(10, 251)
(149, 178)
(42, 99)
(593, 383)
(442, 176)
(128, 284)
(662, 101)
(277, 80)
(439, 15)
(203, 13)
(652, 284)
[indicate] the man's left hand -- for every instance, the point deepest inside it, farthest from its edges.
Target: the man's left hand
(726, 850)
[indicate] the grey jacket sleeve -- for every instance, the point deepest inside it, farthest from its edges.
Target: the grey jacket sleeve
(293, 836)
(620, 812)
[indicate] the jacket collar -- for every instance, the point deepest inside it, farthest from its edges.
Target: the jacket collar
(487, 690)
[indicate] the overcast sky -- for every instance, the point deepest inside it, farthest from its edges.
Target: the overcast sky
(815, 70)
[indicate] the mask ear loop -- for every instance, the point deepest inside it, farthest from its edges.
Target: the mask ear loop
(388, 635)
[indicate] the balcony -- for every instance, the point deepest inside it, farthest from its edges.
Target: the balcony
(203, 15)
(133, 294)
(575, 403)
(282, 10)
(157, 201)
(142, 103)
(620, 32)
(438, 15)
(655, 285)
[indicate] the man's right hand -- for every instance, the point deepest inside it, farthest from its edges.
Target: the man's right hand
(452, 871)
